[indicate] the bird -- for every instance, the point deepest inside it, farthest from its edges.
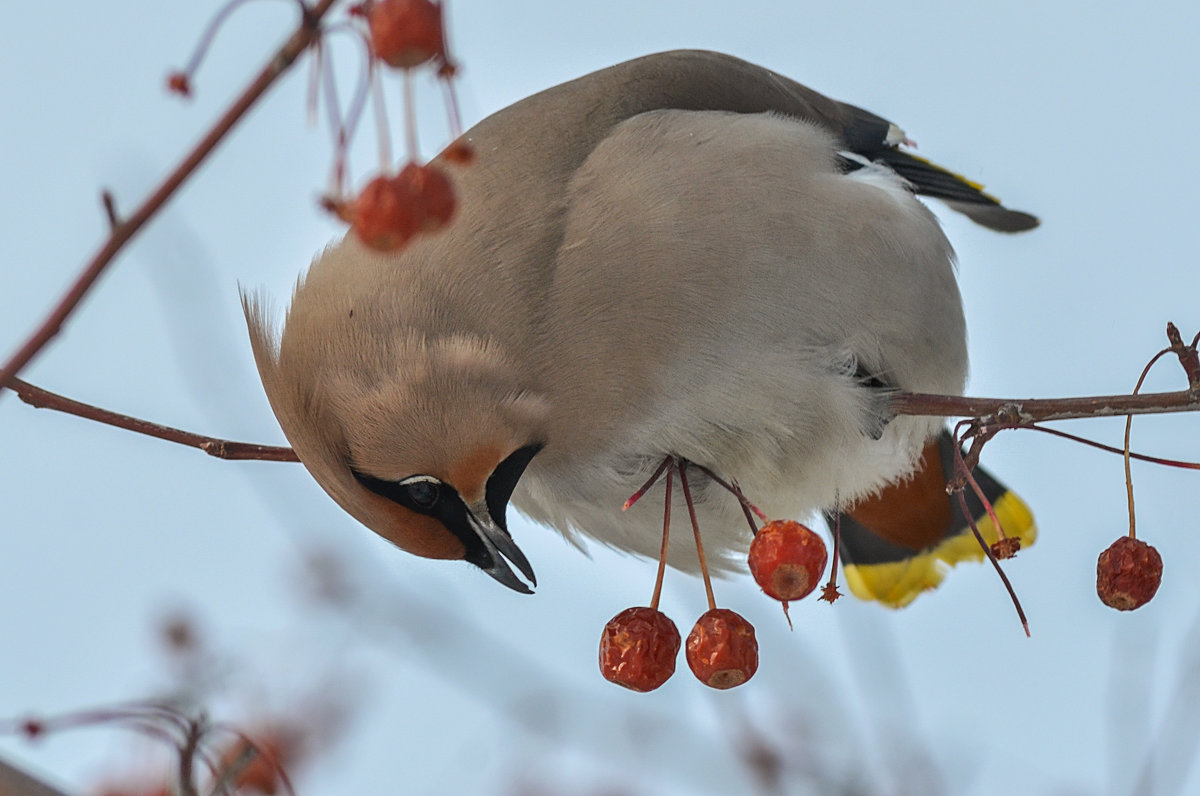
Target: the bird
(682, 256)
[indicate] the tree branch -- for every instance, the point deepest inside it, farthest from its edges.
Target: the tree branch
(997, 413)
(1025, 412)
(220, 448)
(123, 230)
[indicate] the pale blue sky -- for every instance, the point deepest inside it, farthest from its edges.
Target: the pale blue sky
(1084, 113)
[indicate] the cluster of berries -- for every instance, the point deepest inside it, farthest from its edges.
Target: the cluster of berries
(639, 646)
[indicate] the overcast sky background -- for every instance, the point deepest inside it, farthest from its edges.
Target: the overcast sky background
(1084, 113)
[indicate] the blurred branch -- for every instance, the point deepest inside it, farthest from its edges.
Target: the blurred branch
(123, 230)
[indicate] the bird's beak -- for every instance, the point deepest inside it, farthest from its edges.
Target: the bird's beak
(498, 546)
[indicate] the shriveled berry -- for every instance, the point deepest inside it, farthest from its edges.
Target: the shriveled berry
(385, 215)
(431, 189)
(721, 649)
(1006, 548)
(638, 649)
(1128, 574)
(406, 33)
(787, 559)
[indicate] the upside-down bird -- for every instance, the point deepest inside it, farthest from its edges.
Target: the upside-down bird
(682, 255)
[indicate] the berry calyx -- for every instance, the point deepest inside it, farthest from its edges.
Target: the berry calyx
(721, 649)
(787, 559)
(638, 649)
(406, 33)
(1006, 548)
(1128, 574)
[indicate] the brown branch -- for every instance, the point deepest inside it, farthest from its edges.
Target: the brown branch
(124, 230)
(988, 416)
(1025, 412)
(220, 448)
(993, 413)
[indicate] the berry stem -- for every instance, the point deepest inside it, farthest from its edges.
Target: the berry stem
(687, 498)
(410, 118)
(1129, 429)
(961, 466)
(987, 550)
(1110, 449)
(830, 590)
(736, 491)
(382, 131)
(651, 481)
(662, 554)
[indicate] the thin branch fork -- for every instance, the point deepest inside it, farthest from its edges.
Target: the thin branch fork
(123, 230)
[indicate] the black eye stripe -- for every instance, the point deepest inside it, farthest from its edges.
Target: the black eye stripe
(423, 494)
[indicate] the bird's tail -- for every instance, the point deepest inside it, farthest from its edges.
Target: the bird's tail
(901, 542)
(961, 194)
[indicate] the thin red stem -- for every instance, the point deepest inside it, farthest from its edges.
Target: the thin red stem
(383, 131)
(410, 119)
(687, 498)
(965, 471)
(987, 551)
(651, 481)
(1108, 448)
(830, 591)
(736, 491)
(662, 554)
(1129, 429)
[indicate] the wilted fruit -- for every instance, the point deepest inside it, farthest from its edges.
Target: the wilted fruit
(1128, 574)
(638, 649)
(721, 649)
(787, 559)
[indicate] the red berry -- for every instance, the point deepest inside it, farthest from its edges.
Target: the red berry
(638, 649)
(432, 192)
(385, 215)
(406, 33)
(722, 650)
(787, 559)
(1128, 574)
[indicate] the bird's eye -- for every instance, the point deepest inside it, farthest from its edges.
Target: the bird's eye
(424, 493)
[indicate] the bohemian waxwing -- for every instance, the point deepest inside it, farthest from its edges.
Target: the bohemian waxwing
(684, 254)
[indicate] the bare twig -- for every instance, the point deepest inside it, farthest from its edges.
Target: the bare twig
(305, 34)
(1025, 412)
(220, 448)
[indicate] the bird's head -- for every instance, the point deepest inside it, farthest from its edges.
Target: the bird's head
(421, 437)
